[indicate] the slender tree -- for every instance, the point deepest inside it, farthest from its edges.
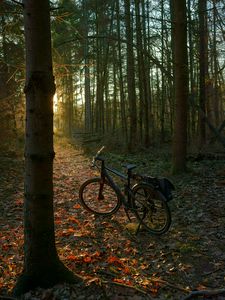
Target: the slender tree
(10, 55)
(120, 76)
(162, 114)
(88, 115)
(181, 85)
(192, 117)
(215, 69)
(130, 78)
(203, 69)
(42, 266)
(143, 74)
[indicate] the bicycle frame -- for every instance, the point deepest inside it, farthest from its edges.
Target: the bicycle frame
(146, 199)
(105, 176)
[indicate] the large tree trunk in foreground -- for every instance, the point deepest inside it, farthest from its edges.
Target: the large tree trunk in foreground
(42, 266)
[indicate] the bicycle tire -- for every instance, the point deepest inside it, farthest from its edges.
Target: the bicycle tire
(151, 209)
(89, 197)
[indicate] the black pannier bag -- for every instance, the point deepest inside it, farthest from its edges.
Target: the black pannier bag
(164, 185)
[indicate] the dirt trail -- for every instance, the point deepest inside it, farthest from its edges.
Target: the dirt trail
(190, 256)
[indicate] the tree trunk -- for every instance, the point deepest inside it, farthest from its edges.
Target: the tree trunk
(68, 93)
(192, 118)
(181, 85)
(215, 97)
(120, 76)
(115, 100)
(7, 89)
(144, 95)
(162, 108)
(88, 114)
(203, 57)
(42, 267)
(131, 79)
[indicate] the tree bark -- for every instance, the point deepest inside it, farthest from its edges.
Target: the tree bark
(203, 69)
(143, 76)
(120, 76)
(162, 108)
(192, 117)
(87, 84)
(181, 85)
(42, 267)
(130, 79)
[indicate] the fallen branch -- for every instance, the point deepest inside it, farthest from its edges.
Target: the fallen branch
(212, 272)
(6, 298)
(204, 293)
(129, 287)
(19, 3)
(169, 284)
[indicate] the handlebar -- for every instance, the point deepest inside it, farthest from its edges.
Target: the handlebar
(99, 151)
(97, 156)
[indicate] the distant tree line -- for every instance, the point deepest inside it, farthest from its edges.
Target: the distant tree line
(114, 66)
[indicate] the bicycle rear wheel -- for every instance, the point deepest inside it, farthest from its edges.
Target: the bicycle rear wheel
(99, 197)
(151, 209)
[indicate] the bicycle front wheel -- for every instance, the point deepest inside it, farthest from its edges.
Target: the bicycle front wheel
(98, 197)
(151, 209)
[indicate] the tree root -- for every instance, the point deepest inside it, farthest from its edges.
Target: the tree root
(45, 278)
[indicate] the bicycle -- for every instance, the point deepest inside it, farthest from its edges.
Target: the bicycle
(147, 199)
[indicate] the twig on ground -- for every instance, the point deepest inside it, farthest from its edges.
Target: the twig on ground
(17, 2)
(7, 298)
(108, 273)
(212, 272)
(204, 293)
(128, 286)
(169, 284)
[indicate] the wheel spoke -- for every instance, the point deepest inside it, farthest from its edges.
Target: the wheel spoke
(151, 210)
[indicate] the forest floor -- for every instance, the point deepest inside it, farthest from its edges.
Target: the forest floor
(116, 263)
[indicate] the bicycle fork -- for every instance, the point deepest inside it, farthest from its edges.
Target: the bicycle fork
(100, 194)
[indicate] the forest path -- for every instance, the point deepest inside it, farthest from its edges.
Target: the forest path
(190, 256)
